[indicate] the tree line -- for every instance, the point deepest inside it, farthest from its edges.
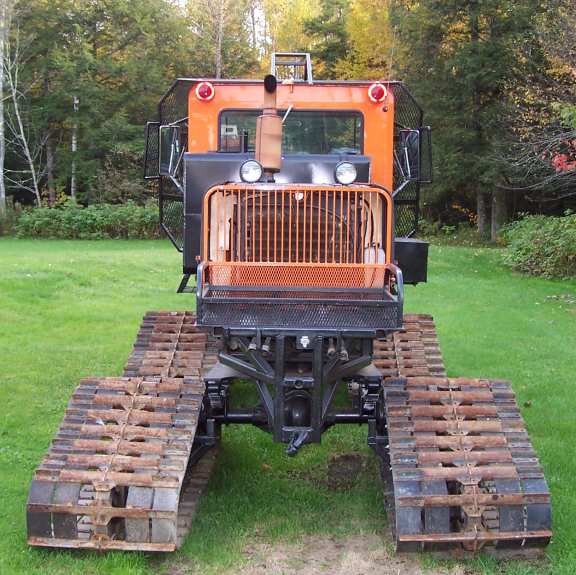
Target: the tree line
(79, 79)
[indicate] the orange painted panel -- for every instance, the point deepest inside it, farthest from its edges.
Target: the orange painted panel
(378, 118)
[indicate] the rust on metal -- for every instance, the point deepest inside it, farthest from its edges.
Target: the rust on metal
(460, 464)
(480, 537)
(117, 475)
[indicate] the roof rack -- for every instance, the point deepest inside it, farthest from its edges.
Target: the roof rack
(295, 66)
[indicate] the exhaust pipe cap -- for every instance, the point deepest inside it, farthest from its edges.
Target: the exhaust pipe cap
(270, 83)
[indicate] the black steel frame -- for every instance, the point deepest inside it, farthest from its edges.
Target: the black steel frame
(295, 407)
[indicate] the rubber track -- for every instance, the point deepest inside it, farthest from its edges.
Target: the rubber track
(117, 475)
(459, 471)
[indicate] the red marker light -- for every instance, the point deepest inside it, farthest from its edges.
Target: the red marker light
(205, 91)
(377, 92)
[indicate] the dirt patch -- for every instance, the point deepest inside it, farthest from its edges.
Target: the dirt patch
(341, 473)
(565, 301)
(368, 554)
(321, 555)
(344, 470)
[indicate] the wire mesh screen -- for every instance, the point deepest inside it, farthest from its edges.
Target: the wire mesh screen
(298, 236)
(408, 115)
(152, 158)
(174, 104)
(405, 214)
(172, 216)
(173, 109)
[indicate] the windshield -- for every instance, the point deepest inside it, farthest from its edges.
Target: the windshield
(305, 132)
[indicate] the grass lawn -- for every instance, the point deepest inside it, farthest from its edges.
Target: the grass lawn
(70, 309)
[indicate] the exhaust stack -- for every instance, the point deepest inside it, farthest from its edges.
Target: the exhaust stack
(269, 131)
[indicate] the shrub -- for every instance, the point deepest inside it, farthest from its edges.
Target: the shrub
(100, 221)
(8, 221)
(115, 184)
(462, 234)
(542, 245)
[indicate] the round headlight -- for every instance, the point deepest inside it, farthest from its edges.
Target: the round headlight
(250, 171)
(345, 173)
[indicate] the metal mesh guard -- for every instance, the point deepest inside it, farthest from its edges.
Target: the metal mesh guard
(329, 316)
(317, 276)
(407, 115)
(297, 257)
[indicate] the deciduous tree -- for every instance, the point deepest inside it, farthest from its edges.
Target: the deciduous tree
(465, 59)
(284, 26)
(372, 42)
(5, 18)
(223, 34)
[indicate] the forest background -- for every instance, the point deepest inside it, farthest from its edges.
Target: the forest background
(80, 78)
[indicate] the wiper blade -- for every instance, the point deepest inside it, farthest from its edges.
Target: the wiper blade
(287, 112)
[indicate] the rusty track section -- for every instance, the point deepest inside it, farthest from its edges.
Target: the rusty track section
(462, 468)
(459, 472)
(413, 351)
(127, 466)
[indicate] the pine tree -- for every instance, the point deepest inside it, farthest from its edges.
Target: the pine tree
(329, 37)
(464, 59)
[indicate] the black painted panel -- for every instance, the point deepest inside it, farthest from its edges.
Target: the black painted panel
(411, 256)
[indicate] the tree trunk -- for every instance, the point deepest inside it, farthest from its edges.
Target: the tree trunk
(49, 151)
(3, 33)
(73, 166)
(498, 213)
(22, 133)
(482, 213)
(476, 96)
(76, 103)
(50, 170)
(253, 26)
(219, 33)
(482, 199)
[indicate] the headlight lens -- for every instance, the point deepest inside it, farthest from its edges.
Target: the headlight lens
(250, 171)
(345, 173)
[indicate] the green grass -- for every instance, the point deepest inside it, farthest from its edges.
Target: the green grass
(72, 309)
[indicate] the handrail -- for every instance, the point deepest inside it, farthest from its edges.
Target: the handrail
(394, 270)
